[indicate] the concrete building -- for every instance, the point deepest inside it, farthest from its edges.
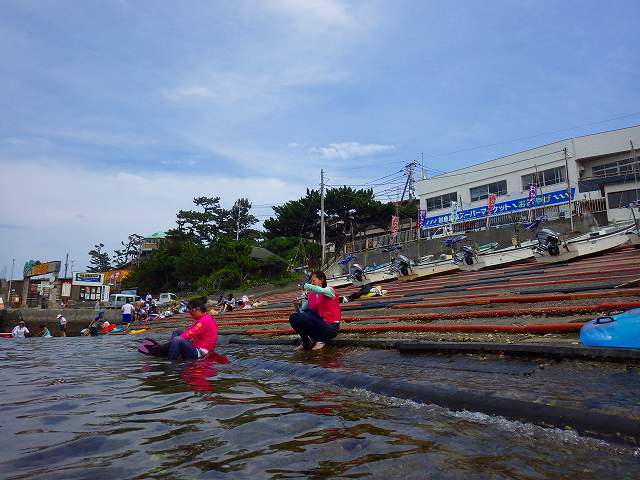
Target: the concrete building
(600, 171)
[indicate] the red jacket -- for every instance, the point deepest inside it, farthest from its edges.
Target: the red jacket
(203, 333)
(327, 308)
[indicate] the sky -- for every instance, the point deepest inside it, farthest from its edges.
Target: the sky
(115, 114)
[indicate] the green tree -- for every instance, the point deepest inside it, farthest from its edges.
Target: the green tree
(240, 220)
(347, 211)
(296, 218)
(204, 227)
(130, 251)
(98, 260)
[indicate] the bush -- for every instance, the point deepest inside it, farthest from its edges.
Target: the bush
(223, 279)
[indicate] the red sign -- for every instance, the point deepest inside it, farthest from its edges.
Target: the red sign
(395, 224)
(491, 202)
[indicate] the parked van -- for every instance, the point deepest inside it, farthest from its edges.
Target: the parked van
(116, 300)
(166, 298)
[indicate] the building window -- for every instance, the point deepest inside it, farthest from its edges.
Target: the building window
(551, 176)
(441, 201)
(483, 191)
(621, 167)
(620, 199)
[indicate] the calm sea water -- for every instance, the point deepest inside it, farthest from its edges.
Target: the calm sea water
(95, 408)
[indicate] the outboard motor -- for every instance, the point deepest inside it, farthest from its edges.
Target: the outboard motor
(401, 265)
(548, 240)
(465, 256)
(356, 272)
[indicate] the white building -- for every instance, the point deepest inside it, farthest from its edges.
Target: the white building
(599, 166)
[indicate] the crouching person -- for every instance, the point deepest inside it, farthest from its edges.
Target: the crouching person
(318, 318)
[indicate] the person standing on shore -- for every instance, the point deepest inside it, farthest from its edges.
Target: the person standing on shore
(20, 330)
(127, 313)
(62, 322)
(318, 318)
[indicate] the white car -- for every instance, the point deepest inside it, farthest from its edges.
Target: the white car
(166, 298)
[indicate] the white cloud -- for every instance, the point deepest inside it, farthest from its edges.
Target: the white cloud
(257, 93)
(316, 13)
(104, 138)
(348, 150)
(61, 208)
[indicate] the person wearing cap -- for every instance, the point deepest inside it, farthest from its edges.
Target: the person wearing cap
(62, 322)
(20, 330)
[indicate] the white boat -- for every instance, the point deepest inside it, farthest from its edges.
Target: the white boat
(418, 272)
(634, 239)
(379, 276)
(496, 258)
(580, 247)
(338, 282)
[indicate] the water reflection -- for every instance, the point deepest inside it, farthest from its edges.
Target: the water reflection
(74, 412)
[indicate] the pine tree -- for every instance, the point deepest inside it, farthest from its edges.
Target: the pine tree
(99, 260)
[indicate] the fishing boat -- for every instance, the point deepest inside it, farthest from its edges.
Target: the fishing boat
(634, 232)
(405, 271)
(551, 249)
(470, 260)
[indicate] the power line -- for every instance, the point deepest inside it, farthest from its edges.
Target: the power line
(446, 175)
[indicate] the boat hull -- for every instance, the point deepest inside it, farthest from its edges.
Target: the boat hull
(634, 239)
(379, 277)
(572, 250)
(425, 271)
(499, 258)
(339, 282)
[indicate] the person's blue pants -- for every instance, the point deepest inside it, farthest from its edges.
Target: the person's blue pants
(312, 328)
(181, 347)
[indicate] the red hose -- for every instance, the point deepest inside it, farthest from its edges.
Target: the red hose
(571, 309)
(531, 328)
(488, 300)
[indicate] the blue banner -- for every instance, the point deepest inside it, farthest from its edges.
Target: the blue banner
(510, 206)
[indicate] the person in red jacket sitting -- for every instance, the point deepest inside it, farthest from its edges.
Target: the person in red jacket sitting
(195, 342)
(317, 319)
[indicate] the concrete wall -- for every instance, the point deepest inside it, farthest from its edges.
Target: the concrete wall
(77, 319)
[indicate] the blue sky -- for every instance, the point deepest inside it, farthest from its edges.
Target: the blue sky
(115, 114)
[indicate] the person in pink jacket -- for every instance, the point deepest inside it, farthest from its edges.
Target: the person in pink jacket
(317, 319)
(195, 342)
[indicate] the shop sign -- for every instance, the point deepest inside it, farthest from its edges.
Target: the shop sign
(88, 279)
(510, 206)
(35, 267)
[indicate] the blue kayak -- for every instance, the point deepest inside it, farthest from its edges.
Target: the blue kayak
(621, 330)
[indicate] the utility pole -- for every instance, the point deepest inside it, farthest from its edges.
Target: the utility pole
(636, 202)
(323, 240)
(566, 168)
(238, 220)
(66, 264)
(13, 261)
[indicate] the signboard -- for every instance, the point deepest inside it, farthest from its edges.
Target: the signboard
(395, 223)
(510, 206)
(66, 289)
(149, 245)
(88, 279)
(35, 267)
(115, 276)
(129, 292)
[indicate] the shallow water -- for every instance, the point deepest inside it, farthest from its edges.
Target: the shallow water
(95, 408)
